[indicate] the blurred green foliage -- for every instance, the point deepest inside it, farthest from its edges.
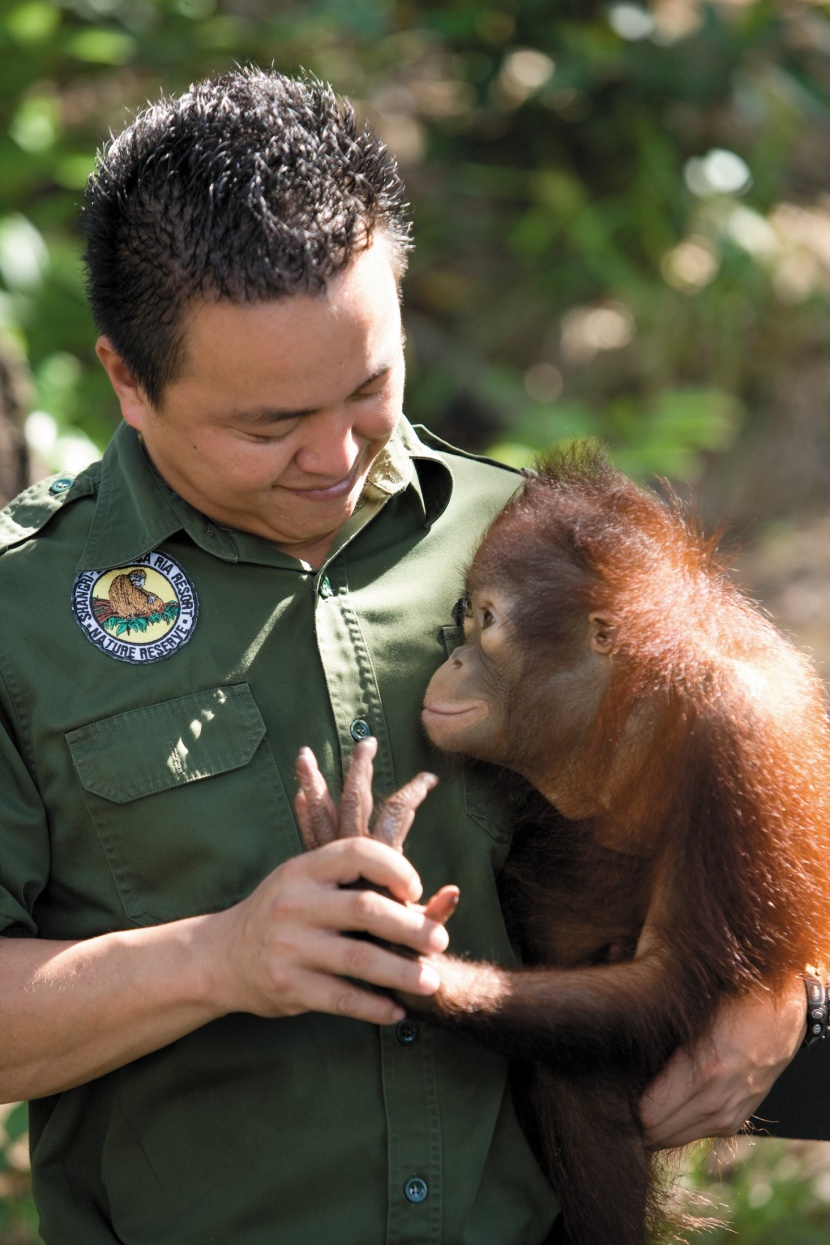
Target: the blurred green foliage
(620, 210)
(761, 1191)
(18, 1218)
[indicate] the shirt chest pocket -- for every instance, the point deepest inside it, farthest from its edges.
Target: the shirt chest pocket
(187, 802)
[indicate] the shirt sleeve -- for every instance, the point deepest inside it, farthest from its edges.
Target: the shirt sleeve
(24, 840)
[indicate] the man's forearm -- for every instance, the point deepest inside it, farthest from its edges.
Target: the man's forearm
(70, 1012)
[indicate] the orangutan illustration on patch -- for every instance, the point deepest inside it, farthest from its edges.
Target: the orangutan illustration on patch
(128, 606)
(138, 613)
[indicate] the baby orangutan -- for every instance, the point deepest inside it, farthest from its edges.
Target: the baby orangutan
(681, 855)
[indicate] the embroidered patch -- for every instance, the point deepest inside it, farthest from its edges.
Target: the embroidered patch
(138, 613)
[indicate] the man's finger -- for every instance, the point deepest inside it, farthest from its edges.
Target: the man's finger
(365, 961)
(346, 860)
(320, 992)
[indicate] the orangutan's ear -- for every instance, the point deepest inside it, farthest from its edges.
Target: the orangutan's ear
(602, 633)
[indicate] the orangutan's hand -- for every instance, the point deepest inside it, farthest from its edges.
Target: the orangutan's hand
(321, 821)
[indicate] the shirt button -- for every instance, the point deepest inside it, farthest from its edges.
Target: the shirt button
(61, 486)
(415, 1189)
(326, 589)
(360, 729)
(406, 1031)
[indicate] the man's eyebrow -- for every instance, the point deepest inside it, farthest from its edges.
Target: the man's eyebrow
(267, 415)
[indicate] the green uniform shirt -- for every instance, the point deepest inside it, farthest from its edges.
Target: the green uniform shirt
(158, 674)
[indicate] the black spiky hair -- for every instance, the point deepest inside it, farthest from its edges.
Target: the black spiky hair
(248, 187)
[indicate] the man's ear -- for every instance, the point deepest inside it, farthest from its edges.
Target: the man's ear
(135, 406)
(602, 633)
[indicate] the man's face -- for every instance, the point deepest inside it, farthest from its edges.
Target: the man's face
(281, 407)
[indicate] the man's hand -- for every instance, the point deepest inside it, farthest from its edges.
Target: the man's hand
(711, 1090)
(282, 950)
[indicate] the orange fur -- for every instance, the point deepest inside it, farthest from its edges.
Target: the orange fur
(711, 747)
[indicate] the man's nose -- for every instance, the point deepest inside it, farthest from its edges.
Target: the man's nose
(331, 448)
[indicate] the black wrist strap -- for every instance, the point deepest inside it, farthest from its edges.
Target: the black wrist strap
(818, 1008)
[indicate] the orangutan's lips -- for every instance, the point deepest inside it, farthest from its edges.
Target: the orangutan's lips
(449, 713)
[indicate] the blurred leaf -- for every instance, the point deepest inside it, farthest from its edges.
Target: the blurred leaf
(57, 380)
(196, 10)
(513, 453)
(103, 47)
(23, 253)
(33, 23)
(73, 171)
(17, 1122)
(36, 124)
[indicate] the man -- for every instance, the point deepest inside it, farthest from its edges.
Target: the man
(177, 995)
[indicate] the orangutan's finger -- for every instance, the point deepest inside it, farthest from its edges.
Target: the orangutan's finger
(356, 802)
(440, 906)
(307, 832)
(315, 809)
(398, 812)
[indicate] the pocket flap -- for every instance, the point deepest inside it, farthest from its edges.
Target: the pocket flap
(166, 745)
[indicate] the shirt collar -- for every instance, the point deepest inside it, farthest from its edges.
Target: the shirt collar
(136, 510)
